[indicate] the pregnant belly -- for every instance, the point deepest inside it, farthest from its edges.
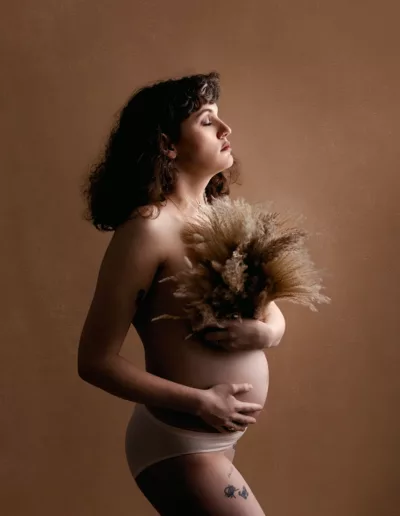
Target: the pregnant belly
(199, 367)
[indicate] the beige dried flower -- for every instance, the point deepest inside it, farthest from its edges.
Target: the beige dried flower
(243, 257)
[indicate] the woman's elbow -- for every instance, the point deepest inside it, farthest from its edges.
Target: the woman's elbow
(85, 372)
(89, 369)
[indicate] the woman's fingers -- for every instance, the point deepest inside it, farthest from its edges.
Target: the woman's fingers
(244, 420)
(248, 407)
(238, 388)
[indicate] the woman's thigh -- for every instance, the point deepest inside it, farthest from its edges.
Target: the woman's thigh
(200, 484)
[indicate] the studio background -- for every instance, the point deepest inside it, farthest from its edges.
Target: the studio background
(311, 91)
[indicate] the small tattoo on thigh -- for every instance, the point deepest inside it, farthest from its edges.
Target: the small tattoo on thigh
(230, 491)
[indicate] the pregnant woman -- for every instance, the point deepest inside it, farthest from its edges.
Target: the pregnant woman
(169, 153)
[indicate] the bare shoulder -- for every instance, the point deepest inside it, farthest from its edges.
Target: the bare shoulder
(142, 233)
(137, 228)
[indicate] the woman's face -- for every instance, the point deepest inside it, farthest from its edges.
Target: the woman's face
(203, 147)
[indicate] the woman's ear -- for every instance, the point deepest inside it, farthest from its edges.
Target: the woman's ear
(167, 147)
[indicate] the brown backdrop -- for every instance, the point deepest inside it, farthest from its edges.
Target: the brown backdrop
(311, 90)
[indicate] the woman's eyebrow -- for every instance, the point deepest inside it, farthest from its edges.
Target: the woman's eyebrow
(204, 110)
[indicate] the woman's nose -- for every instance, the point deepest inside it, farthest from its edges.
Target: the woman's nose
(225, 130)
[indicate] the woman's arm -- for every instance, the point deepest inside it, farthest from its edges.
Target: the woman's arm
(251, 334)
(130, 263)
(121, 378)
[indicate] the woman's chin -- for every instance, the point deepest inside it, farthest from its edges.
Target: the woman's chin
(221, 165)
(227, 162)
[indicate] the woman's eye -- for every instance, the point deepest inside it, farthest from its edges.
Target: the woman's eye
(206, 122)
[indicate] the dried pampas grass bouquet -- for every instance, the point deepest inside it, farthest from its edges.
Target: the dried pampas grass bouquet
(242, 257)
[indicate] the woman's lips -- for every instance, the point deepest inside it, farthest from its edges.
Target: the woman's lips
(226, 147)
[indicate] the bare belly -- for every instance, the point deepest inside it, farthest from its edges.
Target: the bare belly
(193, 363)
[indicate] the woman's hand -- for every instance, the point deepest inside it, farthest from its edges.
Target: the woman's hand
(220, 409)
(249, 334)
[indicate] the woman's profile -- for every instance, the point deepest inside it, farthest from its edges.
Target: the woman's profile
(168, 153)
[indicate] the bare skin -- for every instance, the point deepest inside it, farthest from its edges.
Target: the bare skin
(208, 483)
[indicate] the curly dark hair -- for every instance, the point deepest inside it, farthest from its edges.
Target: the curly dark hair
(133, 172)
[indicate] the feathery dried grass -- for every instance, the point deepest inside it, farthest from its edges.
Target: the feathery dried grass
(243, 257)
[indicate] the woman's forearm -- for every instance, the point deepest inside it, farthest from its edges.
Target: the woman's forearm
(121, 378)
